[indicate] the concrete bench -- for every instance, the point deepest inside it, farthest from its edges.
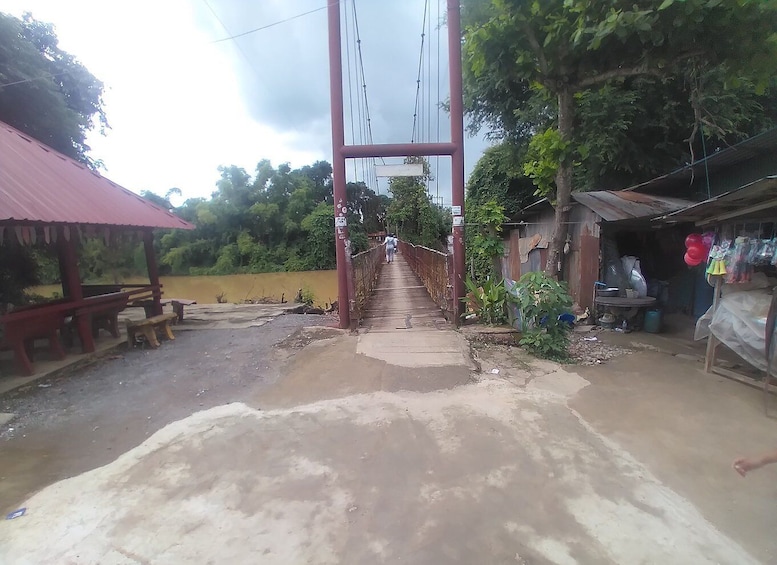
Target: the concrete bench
(148, 328)
(177, 304)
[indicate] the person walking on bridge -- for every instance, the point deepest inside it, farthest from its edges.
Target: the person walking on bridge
(391, 243)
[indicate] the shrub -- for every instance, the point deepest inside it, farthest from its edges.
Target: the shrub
(488, 301)
(542, 301)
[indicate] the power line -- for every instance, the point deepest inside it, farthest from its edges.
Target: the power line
(242, 52)
(250, 31)
(22, 81)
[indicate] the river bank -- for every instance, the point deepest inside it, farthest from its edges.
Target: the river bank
(258, 287)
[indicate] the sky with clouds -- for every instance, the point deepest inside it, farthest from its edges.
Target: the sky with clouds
(180, 103)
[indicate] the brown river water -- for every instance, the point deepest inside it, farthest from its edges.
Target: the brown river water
(238, 288)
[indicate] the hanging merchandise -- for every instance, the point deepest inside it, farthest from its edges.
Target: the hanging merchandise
(739, 269)
(697, 248)
(762, 252)
(717, 265)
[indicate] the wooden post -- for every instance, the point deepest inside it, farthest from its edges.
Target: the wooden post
(712, 342)
(153, 271)
(71, 283)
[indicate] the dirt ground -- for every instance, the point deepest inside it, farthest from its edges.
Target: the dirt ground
(73, 423)
(319, 454)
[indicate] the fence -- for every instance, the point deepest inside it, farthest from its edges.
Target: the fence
(366, 268)
(433, 268)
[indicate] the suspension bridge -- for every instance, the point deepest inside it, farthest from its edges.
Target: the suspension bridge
(398, 292)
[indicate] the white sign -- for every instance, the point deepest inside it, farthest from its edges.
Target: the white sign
(456, 210)
(458, 220)
(341, 222)
(402, 170)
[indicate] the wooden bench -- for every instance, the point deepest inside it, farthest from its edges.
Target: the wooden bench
(148, 327)
(24, 325)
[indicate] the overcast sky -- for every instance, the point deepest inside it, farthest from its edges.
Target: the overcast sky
(179, 105)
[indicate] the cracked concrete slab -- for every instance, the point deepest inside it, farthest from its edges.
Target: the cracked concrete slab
(485, 471)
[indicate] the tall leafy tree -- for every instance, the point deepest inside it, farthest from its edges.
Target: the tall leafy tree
(44, 91)
(539, 58)
(412, 212)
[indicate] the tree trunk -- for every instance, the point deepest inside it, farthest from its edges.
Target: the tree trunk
(566, 109)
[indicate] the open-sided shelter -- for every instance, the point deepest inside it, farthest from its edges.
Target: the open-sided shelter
(48, 197)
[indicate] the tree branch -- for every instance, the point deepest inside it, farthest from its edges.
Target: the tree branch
(617, 73)
(535, 45)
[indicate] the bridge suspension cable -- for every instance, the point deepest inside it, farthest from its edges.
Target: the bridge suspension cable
(418, 97)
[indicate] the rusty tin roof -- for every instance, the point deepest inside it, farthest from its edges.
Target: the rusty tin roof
(618, 205)
(755, 200)
(39, 185)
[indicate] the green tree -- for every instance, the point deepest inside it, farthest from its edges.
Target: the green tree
(538, 59)
(44, 91)
(411, 210)
(498, 176)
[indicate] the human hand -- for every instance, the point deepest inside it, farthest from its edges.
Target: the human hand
(743, 465)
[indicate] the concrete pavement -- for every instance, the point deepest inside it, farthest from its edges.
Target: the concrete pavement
(391, 447)
(498, 470)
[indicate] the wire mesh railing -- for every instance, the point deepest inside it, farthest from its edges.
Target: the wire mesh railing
(433, 268)
(366, 268)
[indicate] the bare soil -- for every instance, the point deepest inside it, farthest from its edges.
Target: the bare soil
(75, 422)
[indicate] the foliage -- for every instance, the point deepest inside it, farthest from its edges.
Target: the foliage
(412, 212)
(498, 175)
(485, 247)
(546, 153)
(308, 297)
(48, 94)
(278, 220)
(531, 67)
(488, 300)
(542, 300)
(18, 270)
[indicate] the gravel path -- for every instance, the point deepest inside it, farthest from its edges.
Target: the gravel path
(72, 423)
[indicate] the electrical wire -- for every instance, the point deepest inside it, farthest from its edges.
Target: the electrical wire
(239, 47)
(22, 81)
(283, 21)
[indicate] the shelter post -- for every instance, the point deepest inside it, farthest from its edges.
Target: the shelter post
(153, 270)
(71, 283)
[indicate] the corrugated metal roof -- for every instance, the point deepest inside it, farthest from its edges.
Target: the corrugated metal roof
(761, 144)
(41, 185)
(756, 199)
(618, 205)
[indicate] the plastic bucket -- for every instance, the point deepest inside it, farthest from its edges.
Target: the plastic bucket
(652, 321)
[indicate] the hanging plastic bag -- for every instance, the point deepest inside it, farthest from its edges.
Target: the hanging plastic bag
(634, 275)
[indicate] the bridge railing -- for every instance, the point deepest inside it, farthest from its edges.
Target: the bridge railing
(366, 268)
(433, 268)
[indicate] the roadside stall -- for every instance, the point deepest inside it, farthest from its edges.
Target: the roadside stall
(737, 248)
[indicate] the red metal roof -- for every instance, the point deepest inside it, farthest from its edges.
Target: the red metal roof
(41, 185)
